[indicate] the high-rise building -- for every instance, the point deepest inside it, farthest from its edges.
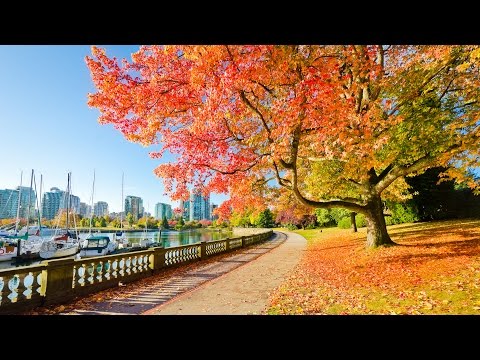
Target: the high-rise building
(163, 210)
(134, 205)
(51, 202)
(74, 203)
(85, 210)
(56, 199)
(198, 207)
(8, 203)
(212, 216)
(26, 194)
(185, 208)
(100, 208)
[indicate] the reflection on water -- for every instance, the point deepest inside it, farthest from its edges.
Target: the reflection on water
(176, 238)
(168, 237)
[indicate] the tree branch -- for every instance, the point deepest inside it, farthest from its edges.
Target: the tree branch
(231, 57)
(309, 130)
(231, 132)
(351, 205)
(465, 104)
(397, 171)
(254, 109)
(227, 172)
(282, 181)
(380, 62)
(384, 172)
(270, 91)
(286, 165)
(425, 82)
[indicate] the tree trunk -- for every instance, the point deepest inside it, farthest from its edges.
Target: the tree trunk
(377, 234)
(353, 221)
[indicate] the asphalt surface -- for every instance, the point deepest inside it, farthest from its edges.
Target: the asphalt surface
(236, 283)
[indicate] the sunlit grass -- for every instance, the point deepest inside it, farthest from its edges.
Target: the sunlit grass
(434, 270)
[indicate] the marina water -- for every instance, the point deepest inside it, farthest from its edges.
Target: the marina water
(169, 238)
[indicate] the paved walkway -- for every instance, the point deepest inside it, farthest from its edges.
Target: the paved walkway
(236, 283)
(244, 290)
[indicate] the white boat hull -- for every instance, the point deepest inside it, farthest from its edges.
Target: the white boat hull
(51, 249)
(91, 253)
(32, 245)
(7, 253)
(85, 252)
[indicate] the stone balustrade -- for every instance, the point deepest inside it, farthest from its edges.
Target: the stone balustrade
(61, 280)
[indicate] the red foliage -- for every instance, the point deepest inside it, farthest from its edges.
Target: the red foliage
(335, 125)
(201, 103)
(205, 222)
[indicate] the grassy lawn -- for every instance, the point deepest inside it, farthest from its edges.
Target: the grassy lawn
(434, 270)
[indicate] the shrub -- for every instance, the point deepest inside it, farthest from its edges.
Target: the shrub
(331, 217)
(402, 213)
(360, 220)
(345, 222)
(324, 217)
(291, 227)
(265, 219)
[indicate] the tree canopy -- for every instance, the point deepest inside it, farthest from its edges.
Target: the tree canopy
(337, 126)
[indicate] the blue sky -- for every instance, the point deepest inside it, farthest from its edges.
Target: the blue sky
(46, 125)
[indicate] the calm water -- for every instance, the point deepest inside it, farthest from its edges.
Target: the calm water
(176, 238)
(168, 237)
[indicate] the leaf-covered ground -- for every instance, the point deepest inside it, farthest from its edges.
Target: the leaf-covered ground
(434, 270)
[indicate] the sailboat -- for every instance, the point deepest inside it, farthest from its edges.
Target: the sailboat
(120, 236)
(8, 243)
(65, 244)
(30, 248)
(8, 248)
(4, 232)
(146, 242)
(7, 229)
(96, 245)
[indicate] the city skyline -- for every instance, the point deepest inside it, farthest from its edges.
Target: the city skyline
(54, 200)
(50, 128)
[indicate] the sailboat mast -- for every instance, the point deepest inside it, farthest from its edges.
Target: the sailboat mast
(18, 203)
(91, 209)
(37, 202)
(123, 206)
(146, 223)
(29, 200)
(68, 197)
(40, 197)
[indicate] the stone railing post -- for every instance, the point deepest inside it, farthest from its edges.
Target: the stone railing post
(203, 250)
(227, 244)
(59, 280)
(243, 241)
(157, 259)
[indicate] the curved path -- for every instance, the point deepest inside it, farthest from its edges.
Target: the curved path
(234, 283)
(244, 290)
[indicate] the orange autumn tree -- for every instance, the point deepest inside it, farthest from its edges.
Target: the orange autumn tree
(351, 119)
